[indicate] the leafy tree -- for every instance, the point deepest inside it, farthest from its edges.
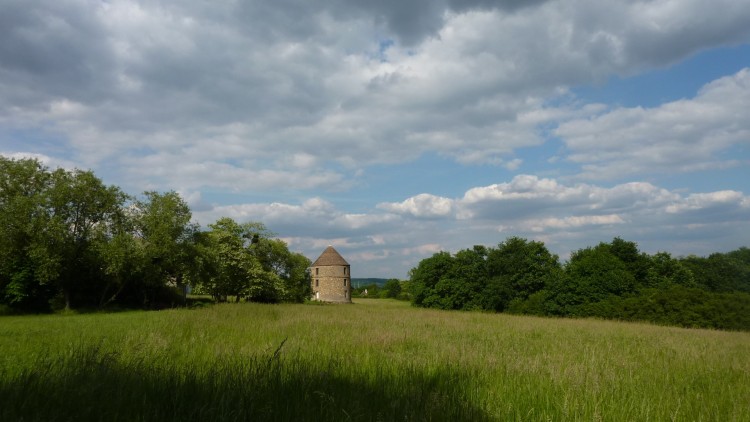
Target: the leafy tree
(665, 271)
(466, 279)
(80, 207)
(405, 290)
(246, 264)
(392, 288)
(450, 282)
(449, 293)
(167, 237)
(296, 278)
(636, 262)
(610, 280)
(484, 278)
(720, 272)
(23, 184)
(233, 265)
(290, 268)
(55, 224)
(591, 275)
(741, 255)
(122, 261)
(517, 269)
(67, 238)
(426, 275)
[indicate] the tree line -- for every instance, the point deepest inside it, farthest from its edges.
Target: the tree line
(67, 240)
(610, 280)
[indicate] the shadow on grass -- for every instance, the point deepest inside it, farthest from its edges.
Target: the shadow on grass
(189, 302)
(89, 384)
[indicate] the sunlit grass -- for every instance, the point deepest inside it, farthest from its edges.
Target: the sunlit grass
(374, 360)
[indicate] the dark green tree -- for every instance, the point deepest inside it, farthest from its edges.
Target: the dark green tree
(122, 263)
(80, 209)
(462, 288)
(591, 275)
(720, 272)
(23, 215)
(296, 278)
(636, 262)
(291, 268)
(392, 288)
(665, 271)
(426, 275)
(518, 268)
(167, 237)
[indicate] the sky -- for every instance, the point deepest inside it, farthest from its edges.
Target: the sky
(396, 129)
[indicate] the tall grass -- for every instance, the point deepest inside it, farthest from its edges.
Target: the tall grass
(374, 360)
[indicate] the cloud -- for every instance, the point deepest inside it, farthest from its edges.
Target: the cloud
(336, 84)
(190, 172)
(315, 217)
(566, 217)
(413, 21)
(679, 136)
(721, 206)
(523, 195)
(46, 160)
(422, 206)
(280, 104)
(541, 225)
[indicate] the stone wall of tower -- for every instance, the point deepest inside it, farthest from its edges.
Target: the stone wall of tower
(332, 283)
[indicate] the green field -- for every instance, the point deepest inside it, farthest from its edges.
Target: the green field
(374, 360)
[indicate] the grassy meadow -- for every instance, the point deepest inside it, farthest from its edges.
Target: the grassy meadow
(374, 360)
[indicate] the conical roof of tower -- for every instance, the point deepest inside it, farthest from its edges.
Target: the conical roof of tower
(329, 257)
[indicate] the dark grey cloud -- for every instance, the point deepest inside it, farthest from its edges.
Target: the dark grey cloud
(52, 49)
(673, 31)
(412, 21)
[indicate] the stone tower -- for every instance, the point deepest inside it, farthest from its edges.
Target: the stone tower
(331, 278)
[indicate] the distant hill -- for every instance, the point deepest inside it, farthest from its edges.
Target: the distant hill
(358, 282)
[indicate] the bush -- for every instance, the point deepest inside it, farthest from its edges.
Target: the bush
(536, 304)
(404, 296)
(677, 305)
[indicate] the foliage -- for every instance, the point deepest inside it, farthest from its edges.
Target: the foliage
(392, 288)
(719, 272)
(591, 275)
(23, 279)
(241, 260)
(426, 276)
(484, 278)
(666, 271)
(610, 280)
(291, 269)
(679, 305)
(166, 238)
(55, 224)
(518, 268)
(70, 241)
